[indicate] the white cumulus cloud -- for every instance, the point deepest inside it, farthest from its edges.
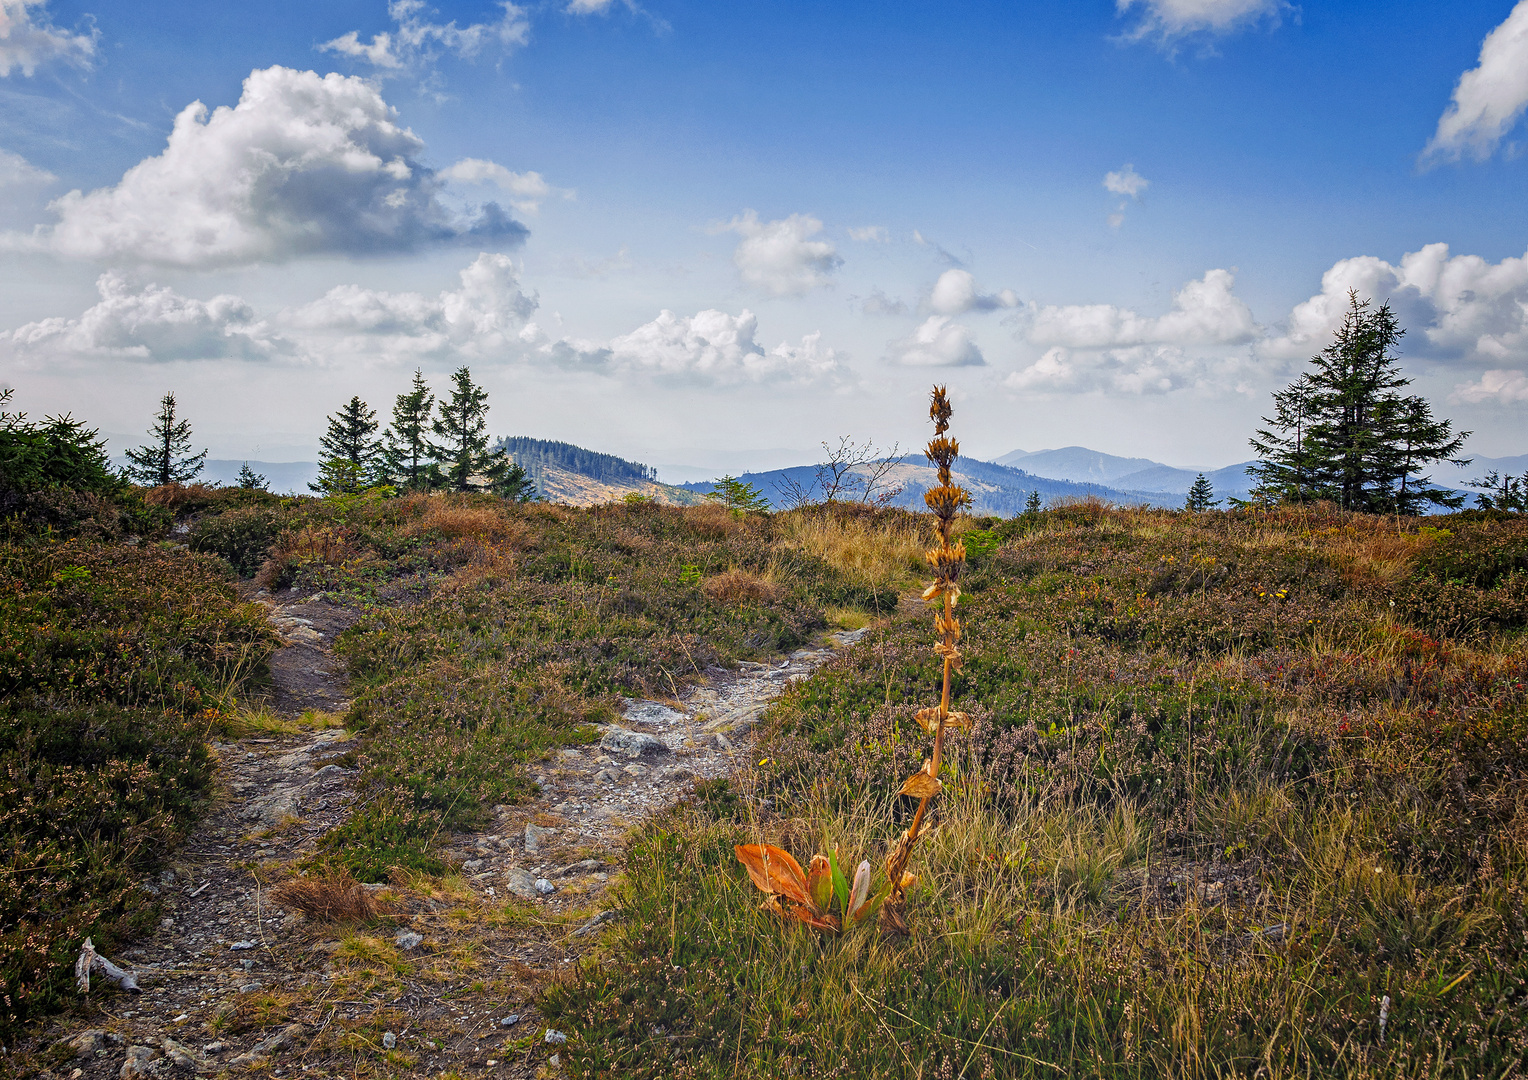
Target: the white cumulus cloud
(416, 41)
(485, 318)
(152, 322)
(780, 257)
(303, 164)
(1134, 371)
(1458, 310)
(870, 234)
(1103, 347)
(17, 172)
(1171, 20)
(937, 342)
(1204, 312)
(28, 39)
(1126, 181)
(525, 190)
(1497, 386)
(955, 293)
(1489, 98)
(717, 347)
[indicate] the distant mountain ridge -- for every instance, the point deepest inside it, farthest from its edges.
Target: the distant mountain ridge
(995, 489)
(1082, 465)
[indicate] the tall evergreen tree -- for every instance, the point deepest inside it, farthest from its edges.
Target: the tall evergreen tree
(1201, 496)
(164, 459)
(1032, 504)
(407, 454)
(462, 428)
(1343, 432)
(351, 454)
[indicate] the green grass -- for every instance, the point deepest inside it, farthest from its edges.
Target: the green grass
(524, 626)
(1188, 730)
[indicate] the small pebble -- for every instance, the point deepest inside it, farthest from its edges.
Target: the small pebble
(545, 887)
(554, 1036)
(239, 946)
(389, 1040)
(407, 939)
(510, 1021)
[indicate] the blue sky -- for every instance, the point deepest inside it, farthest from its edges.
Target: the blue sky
(719, 229)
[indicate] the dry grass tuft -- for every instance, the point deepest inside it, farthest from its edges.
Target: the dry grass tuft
(488, 525)
(741, 587)
(174, 496)
(714, 521)
(884, 550)
(335, 897)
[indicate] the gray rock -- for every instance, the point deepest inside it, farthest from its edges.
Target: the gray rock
(652, 712)
(275, 807)
(140, 1062)
(606, 776)
(545, 887)
(850, 637)
(567, 809)
(389, 1040)
(328, 771)
(635, 770)
(585, 867)
(554, 1037)
(570, 755)
(408, 939)
(679, 774)
(722, 742)
(276, 1043)
(510, 1021)
(534, 835)
(619, 740)
(183, 1057)
(87, 1042)
(472, 866)
(249, 987)
(241, 946)
(521, 882)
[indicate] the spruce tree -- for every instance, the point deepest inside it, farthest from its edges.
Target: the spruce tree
(406, 450)
(738, 495)
(1032, 504)
(1201, 496)
(515, 484)
(462, 428)
(164, 459)
(1502, 492)
(249, 480)
(351, 454)
(1343, 432)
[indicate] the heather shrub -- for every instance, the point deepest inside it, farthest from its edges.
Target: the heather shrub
(113, 662)
(243, 536)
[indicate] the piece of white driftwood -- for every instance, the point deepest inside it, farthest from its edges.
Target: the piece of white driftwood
(90, 960)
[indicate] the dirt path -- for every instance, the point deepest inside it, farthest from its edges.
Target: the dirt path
(232, 981)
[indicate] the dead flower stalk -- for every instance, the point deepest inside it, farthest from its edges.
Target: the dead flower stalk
(822, 896)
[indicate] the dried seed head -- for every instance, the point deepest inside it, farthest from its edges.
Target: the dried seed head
(939, 410)
(946, 501)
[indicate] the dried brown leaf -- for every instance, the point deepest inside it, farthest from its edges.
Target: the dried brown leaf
(774, 871)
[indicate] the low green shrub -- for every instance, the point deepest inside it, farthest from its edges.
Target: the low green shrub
(113, 661)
